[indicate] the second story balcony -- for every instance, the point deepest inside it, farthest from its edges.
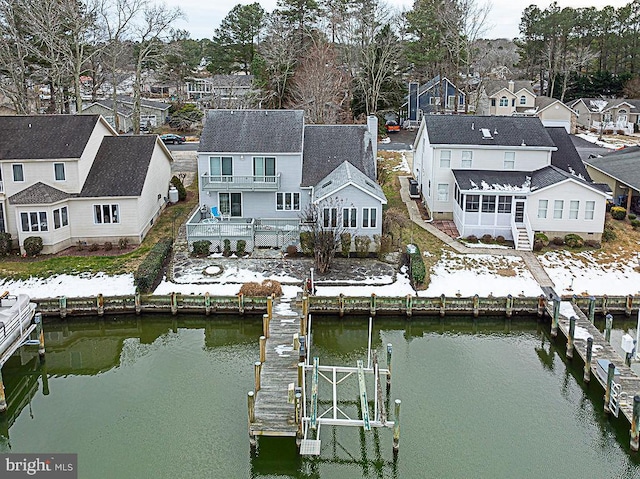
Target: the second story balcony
(240, 183)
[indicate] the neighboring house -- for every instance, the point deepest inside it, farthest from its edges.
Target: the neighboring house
(506, 176)
(553, 112)
(620, 170)
(152, 113)
(263, 171)
(220, 91)
(608, 115)
(70, 178)
(438, 95)
(504, 97)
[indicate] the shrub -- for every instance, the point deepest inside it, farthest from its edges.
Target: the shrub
(416, 265)
(542, 238)
(631, 216)
(362, 244)
(108, 246)
(618, 213)
(487, 238)
(500, 239)
(635, 224)
(241, 247)
(558, 241)
(93, 247)
(201, 248)
(226, 248)
(592, 243)
(472, 239)
(182, 192)
(5, 243)
(608, 234)
(292, 251)
(266, 288)
(537, 245)
(574, 241)
(345, 244)
(150, 269)
(306, 242)
(33, 245)
(81, 245)
(620, 132)
(386, 244)
(123, 243)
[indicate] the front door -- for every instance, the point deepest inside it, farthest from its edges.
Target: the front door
(519, 211)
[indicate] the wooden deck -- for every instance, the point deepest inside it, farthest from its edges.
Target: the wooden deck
(628, 380)
(274, 416)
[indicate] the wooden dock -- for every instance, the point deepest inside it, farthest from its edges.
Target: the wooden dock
(602, 350)
(274, 415)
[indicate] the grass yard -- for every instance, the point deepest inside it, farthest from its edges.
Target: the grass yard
(15, 267)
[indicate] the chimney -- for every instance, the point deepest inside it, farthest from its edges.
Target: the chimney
(511, 86)
(372, 126)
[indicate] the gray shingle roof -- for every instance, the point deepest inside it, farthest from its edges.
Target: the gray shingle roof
(587, 149)
(231, 80)
(343, 175)
(120, 167)
(45, 136)
(252, 131)
(492, 180)
(566, 156)
(623, 165)
(505, 130)
(494, 86)
(39, 194)
(328, 146)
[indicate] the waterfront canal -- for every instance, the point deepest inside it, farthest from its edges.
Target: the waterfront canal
(156, 397)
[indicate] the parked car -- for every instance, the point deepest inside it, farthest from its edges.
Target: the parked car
(392, 127)
(173, 139)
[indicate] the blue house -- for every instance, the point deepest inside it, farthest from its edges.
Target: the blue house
(262, 172)
(438, 95)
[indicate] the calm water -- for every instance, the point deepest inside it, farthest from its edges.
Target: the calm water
(166, 399)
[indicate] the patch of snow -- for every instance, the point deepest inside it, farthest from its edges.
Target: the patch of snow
(594, 139)
(404, 163)
(281, 349)
(582, 333)
(487, 246)
(82, 285)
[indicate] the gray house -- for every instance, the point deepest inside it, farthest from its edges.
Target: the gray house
(152, 113)
(262, 171)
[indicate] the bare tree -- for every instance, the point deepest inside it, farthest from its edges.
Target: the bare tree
(15, 68)
(324, 230)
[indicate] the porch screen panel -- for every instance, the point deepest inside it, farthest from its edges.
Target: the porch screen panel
(472, 203)
(504, 204)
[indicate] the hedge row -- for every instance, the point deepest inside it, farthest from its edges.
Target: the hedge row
(418, 270)
(150, 269)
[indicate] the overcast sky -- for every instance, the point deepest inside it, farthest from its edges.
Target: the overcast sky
(203, 17)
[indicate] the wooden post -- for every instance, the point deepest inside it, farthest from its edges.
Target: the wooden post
(263, 348)
(296, 342)
(389, 351)
(571, 336)
(241, 303)
(628, 305)
(298, 409)
(607, 393)
(341, 305)
(100, 304)
(442, 304)
(303, 326)
(63, 306)
(174, 303)
(396, 427)
(556, 316)
(270, 307)
(542, 301)
(635, 424)
(3, 399)
(605, 308)
(592, 308)
(207, 303)
(587, 363)
(608, 324)
(300, 374)
(409, 306)
(40, 334)
(265, 325)
(45, 379)
(257, 369)
(476, 305)
(509, 306)
(251, 403)
(372, 309)
(136, 300)
(305, 307)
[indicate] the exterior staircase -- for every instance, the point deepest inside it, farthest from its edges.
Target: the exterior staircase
(521, 241)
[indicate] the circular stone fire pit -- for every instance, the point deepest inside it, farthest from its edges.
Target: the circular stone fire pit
(213, 270)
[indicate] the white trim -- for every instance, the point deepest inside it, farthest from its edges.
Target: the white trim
(355, 185)
(576, 182)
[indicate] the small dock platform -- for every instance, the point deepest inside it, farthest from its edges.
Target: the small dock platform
(274, 414)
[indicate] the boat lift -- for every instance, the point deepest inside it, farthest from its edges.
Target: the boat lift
(310, 418)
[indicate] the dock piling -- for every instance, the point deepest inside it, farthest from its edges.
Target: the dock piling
(476, 305)
(63, 306)
(372, 309)
(442, 304)
(571, 336)
(263, 348)
(300, 373)
(207, 303)
(396, 427)
(556, 316)
(40, 334)
(270, 307)
(100, 304)
(137, 303)
(341, 305)
(257, 367)
(592, 308)
(542, 305)
(3, 399)
(635, 424)
(608, 324)
(628, 305)
(174, 303)
(587, 363)
(607, 393)
(265, 325)
(509, 305)
(251, 406)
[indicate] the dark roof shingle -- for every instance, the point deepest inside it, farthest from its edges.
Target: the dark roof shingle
(624, 165)
(39, 194)
(566, 157)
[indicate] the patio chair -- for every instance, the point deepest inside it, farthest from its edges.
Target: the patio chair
(215, 213)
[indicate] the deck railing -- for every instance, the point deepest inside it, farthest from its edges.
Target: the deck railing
(244, 183)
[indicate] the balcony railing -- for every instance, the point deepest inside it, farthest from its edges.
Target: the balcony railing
(240, 183)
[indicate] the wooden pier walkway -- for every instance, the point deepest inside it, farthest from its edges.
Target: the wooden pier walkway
(274, 415)
(627, 379)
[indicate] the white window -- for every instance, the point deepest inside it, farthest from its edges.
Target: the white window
(543, 205)
(58, 171)
(504, 101)
(369, 217)
(574, 207)
(488, 204)
(147, 121)
(330, 217)
(509, 160)
(472, 203)
(18, 172)
(523, 100)
(445, 159)
(467, 159)
(558, 206)
(504, 204)
(60, 217)
(349, 217)
(443, 191)
(34, 221)
(221, 168)
(287, 201)
(264, 169)
(589, 209)
(105, 214)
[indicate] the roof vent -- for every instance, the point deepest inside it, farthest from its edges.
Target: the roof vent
(495, 131)
(486, 134)
(369, 184)
(473, 126)
(326, 184)
(523, 143)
